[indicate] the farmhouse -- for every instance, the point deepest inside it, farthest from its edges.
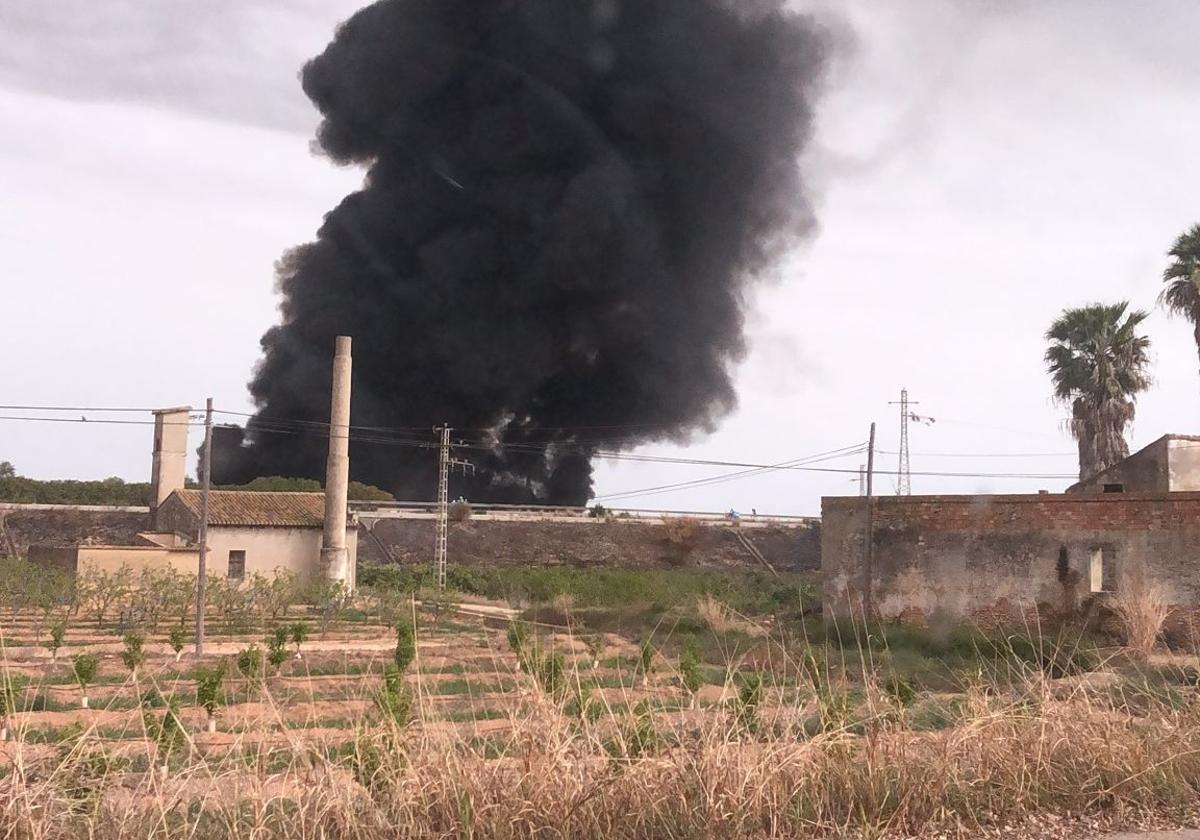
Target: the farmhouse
(310, 534)
(1017, 558)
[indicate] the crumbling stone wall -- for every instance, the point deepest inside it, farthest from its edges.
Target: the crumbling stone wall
(645, 544)
(1005, 558)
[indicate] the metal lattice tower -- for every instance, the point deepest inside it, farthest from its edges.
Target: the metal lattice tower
(904, 473)
(443, 510)
(445, 463)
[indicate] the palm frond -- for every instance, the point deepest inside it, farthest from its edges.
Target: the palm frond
(1182, 276)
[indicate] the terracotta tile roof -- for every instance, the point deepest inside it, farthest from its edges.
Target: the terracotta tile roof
(241, 507)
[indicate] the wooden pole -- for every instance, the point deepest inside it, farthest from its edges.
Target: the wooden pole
(205, 486)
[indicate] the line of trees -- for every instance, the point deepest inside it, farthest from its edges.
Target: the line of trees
(119, 493)
(1099, 360)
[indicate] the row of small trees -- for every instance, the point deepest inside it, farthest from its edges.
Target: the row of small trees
(156, 596)
(209, 681)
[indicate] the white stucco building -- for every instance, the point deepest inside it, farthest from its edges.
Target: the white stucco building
(251, 533)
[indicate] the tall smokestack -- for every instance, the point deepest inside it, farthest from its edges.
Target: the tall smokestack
(334, 558)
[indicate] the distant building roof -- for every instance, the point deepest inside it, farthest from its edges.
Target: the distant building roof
(1170, 464)
(271, 509)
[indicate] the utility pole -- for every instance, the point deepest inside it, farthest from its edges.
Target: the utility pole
(904, 473)
(445, 462)
(869, 548)
(205, 486)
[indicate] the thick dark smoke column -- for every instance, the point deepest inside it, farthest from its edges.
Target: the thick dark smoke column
(564, 202)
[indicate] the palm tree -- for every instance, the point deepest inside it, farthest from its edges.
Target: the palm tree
(1099, 362)
(1182, 294)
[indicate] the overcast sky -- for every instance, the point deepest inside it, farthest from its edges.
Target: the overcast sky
(979, 166)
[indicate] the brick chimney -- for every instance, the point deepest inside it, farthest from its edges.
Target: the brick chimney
(169, 465)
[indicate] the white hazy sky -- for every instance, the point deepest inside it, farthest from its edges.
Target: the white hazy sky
(979, 166)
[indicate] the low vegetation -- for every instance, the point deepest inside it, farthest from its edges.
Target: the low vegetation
(693, 718)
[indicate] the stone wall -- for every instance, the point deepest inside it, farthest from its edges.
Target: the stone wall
(1006, 558)
(591, 542)
(633, 543)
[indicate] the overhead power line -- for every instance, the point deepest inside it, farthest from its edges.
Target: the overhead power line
(92, 421)
(271, 427)
(93, 408)
(484, 430)
(985, 454)
(735, 476)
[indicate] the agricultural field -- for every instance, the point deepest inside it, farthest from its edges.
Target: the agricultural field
(563, 710)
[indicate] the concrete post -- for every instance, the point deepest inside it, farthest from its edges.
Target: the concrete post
(334, 556)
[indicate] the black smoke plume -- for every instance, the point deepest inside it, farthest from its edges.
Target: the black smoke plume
(564, 203)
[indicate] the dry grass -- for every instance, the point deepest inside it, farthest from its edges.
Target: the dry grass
(682, 531)
(720, 618)
(838, 753)
(1142, 610)
(1009, 758)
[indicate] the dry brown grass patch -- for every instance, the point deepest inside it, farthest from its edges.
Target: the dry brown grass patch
(1142, 609)
(720, 617)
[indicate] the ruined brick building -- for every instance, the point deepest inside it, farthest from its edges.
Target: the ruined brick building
(1010, 558)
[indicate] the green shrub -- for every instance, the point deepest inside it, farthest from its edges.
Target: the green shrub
(277, 651)
(518, 637)
(396, 578)
(1057, 653)
(134, 654)
(11, 687)
(596, 644)
(152, 698)
(58, 632)
(109, 491)
(749, 698)
(689, 670)
(550, 673)
(749, 593)
(585, 707)
(357, 491)
(406, 645)
(898, 688)
(395, 697)
(84, 667)
(645, 664)
(250, 664)
(638, 738)
(209, 688)
(299, 633)
(177, 636)
(166, 732)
